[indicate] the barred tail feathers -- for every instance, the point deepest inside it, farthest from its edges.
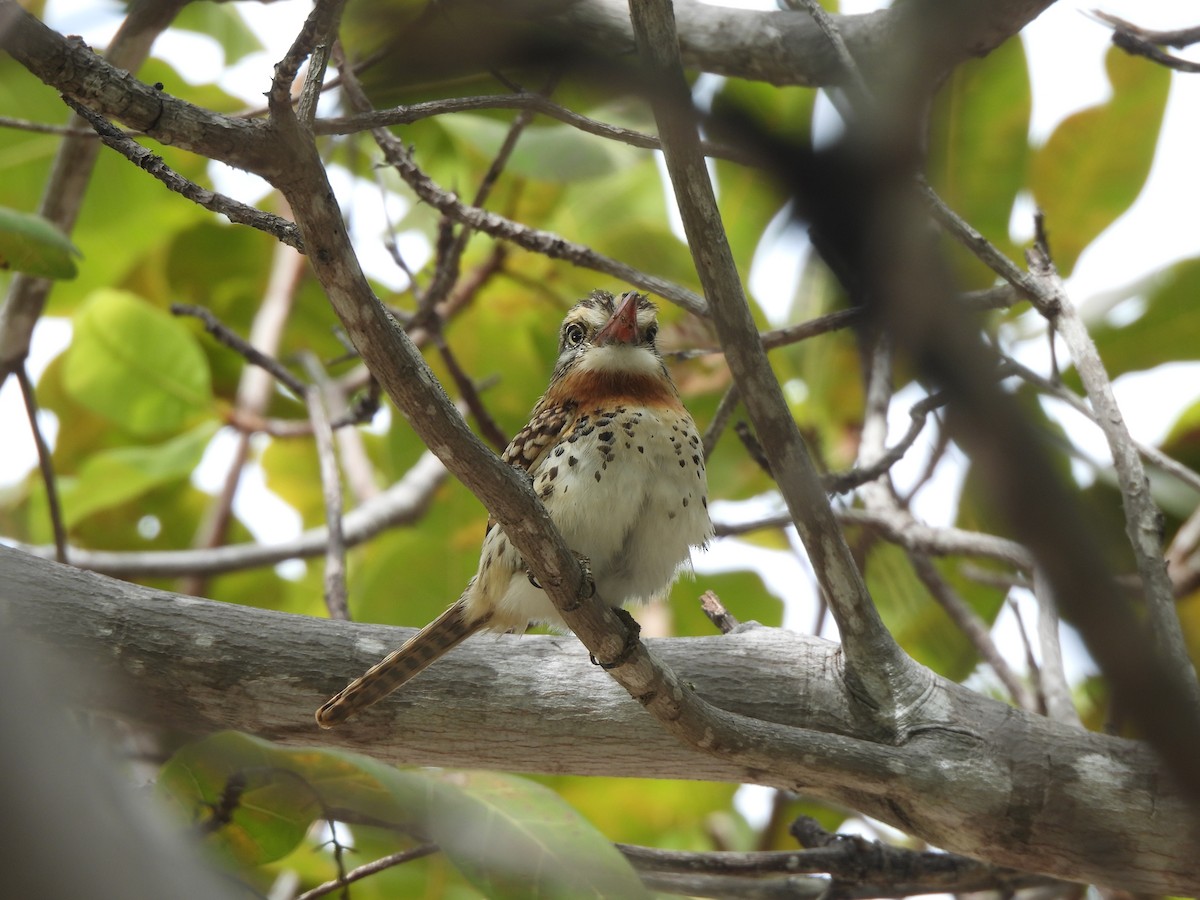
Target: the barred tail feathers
(441, 635)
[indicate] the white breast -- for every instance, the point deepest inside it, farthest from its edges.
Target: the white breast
(629, 493)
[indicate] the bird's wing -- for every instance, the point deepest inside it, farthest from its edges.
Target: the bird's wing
(528, 447)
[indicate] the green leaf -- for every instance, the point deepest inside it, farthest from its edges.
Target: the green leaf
(545, 153)
(1094, 164)
(257, 800)
(136, 365)
(1168, 330)
(33, 245)
(918, 622)
(514, 838)
(112, 477)
(979, 147)
(510, 837)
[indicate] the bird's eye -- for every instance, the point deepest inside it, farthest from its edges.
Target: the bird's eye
(574, 334)
(651, 334)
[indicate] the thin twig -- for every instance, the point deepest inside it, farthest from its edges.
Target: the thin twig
(445, 273)
(1143, 520)
(470, 396)
(1176, 37)
(1138, 41)
(1058, 390)
(974, 628)
(361, 477)
(712, 607)
(45, 128)
(523, 100)
(1056, 692)
(45, 463)
(377, 865)
(403, 503)
(903, 530)
(331, 490)
(550, 245)
(843, 482)
(234, 210)
(792, 334)
(224, 335)
(720, 419)
(1035, 671)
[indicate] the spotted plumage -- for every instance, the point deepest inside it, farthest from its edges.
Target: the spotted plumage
(613, 455)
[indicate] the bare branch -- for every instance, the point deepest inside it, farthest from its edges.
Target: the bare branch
(716, 427)
(874, 661)
(792, 334)
(1060, 391)
(376, 865)
(223, 334)
(1103, 809)
(858, 868)
(522, 100)
(717, 613)
(45, 463)
(1138, 41)
(1056, 691)
(403, 503)
(331, 490)
(234, 210)
(1143, 520)
(901, 528)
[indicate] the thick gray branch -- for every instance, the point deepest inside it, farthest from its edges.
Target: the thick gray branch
(994, 783)
(777, 46)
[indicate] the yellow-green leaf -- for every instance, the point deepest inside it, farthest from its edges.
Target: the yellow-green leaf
(514, 838)
(257, 800)
(547, 152)
(979, 146)
(510, 837)
(112, 477)
(1094, 164)
(136, 365)
(33, 245)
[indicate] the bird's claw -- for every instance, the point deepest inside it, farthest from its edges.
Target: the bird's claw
(633, 630)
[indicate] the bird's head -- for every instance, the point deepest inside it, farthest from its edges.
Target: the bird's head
(610, 336)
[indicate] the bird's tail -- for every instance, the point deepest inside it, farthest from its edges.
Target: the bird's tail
(442, 634)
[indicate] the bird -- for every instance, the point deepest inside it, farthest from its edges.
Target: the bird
(619, 465)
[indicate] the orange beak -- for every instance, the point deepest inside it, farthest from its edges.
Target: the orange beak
(622, 328)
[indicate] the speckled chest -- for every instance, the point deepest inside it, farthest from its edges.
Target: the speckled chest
(637, 442)
(626, 486)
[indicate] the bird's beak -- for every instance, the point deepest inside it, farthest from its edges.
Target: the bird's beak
(622, 328)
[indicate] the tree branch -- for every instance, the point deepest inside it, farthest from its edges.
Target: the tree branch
(62, 197)
(401, 504)
(1008, 787)
(1143, 520)
(875, 663)
(235, 211)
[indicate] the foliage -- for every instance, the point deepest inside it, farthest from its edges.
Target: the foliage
(507, 836)
(139, 396)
